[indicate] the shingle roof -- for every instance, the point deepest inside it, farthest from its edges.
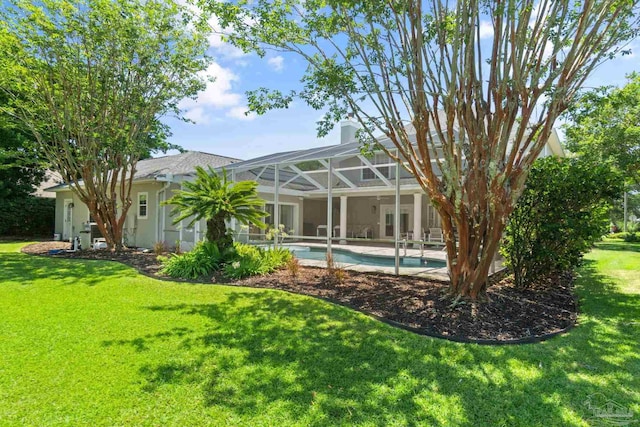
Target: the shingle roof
(51, 179)
(180, 164)
(176, 164)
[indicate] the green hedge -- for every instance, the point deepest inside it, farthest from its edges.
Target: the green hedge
(562, 212)
(27, 217)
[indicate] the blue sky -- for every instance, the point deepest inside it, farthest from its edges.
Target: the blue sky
(221, 126)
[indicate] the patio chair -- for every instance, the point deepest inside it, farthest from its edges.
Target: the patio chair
(436, 235)
(364, 233)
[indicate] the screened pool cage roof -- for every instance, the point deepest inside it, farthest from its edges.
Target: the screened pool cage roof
(306, 171)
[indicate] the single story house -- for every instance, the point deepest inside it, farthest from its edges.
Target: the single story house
(148, 221)
(337, 191)
(323, 193)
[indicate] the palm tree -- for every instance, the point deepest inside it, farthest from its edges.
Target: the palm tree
(215, 199)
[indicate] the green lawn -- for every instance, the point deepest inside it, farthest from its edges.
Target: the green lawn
(94, 343)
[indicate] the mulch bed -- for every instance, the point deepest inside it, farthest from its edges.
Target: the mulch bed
(505, 315)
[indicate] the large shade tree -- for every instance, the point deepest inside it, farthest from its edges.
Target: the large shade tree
(604, 127)
(91, 80)
(467, 91)
(217, 200)
(21, 169)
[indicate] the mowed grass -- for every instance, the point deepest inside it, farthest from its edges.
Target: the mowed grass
(94, 343)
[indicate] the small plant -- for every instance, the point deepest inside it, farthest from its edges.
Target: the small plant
(293, 267)
(335, 274)
(160, 248)
(203, 260)
(275, 259)
(339, 275)
(177, 249)
(631, 237)
(330, 264)
(243, 267)
(279, 232)
(247, 260)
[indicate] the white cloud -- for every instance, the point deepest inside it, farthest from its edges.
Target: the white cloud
(276, 63)
(239, 113)
(218, 95)
(216, 41)
(486, 29)
(197, 115)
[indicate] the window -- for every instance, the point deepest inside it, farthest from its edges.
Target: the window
(287, 214)
(143, 205)
(380, 158)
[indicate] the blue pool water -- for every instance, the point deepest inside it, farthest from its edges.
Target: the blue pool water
(342, 256)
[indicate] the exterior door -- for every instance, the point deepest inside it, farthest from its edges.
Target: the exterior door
(387, 221)
(67, 218)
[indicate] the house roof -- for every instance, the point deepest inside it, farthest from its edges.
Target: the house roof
(176, 164)
(180, 164)
(51, 179)
(340, 151)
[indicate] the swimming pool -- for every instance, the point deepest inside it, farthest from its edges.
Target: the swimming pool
(342, 256)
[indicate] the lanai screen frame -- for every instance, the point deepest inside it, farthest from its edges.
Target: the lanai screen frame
(272, 168)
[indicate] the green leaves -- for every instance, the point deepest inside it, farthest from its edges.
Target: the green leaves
(215, 199)
(561, 213)
(91, 80)
(606, 127)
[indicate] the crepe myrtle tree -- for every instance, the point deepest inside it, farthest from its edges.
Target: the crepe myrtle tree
(467, 91)
(91, 80)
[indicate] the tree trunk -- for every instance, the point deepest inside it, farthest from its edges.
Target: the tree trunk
(469, 264)
(217, 232)
(471, 254)
(107, 219)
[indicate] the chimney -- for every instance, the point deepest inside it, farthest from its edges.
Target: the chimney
(348, 128)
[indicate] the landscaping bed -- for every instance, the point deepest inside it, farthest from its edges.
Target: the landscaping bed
(505, 315)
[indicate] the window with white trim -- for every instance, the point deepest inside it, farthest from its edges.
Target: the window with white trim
(380, 158)
(143, 205)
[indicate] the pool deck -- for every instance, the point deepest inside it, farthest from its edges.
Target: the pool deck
(435, 273)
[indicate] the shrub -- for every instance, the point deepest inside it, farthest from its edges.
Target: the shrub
(334, 274)
(247, 260)
(203, 260)
(631, 237)
(293, 267)
(559, 216)
(244, 267)
(275, 259)
(160, 247)
(239, 261)
(27, 217)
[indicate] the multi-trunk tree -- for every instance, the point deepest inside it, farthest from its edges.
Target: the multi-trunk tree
(467, 91)
(91, 79)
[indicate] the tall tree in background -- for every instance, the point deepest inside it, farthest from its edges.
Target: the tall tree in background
(20, 168)
(90, 79)
(468, 115)
(605, 127)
